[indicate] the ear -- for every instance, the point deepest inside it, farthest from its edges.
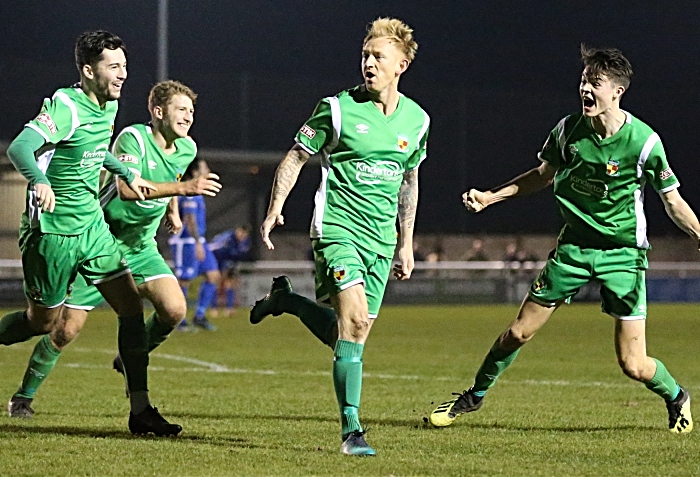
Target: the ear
(619, 90)
(403, 66)
(158, 112)
(88, 72)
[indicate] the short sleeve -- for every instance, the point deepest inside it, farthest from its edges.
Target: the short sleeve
(317, 132)
(421, 153)
(129, 150)
(56, 120)
(551, 151)
(656, 169)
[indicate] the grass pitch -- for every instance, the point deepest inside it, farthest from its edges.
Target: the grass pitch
(259, 400)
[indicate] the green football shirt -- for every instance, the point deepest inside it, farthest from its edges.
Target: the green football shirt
(599, 184)
(134, 223)
(77, 133)
(364, 155)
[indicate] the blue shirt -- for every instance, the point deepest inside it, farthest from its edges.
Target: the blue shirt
(193, 205)
(227, 247)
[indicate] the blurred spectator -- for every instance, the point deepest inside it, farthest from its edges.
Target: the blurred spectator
(511, 254)
(230, 249)
(476, 253)
(418, 255)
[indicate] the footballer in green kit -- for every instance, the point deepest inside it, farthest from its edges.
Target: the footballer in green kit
(159, 152)
(370, 140)
(63, 232)
(599, 161)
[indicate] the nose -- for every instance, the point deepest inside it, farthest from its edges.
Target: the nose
(122, 72)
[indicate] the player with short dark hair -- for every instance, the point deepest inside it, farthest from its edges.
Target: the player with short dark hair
(63, 232)
(159, 152)
(599, 161)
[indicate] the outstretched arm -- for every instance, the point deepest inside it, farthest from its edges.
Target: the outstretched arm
(681, 214)
(202, 185)
(532, 181)
(285, 178)
(408, 204)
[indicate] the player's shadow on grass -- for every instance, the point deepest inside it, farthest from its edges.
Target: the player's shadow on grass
(72, 431)
(286, 417)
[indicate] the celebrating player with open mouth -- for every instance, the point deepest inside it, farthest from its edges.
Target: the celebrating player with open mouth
(599, 161)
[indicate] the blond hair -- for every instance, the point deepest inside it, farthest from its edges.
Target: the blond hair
(163, 92)
(397, 31)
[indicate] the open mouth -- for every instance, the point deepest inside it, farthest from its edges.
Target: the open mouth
(588, 102)
(369, 75)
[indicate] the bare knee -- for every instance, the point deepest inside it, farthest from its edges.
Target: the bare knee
(358, 325)
(172, 313)
(632, 367)
(42, 320)
(514, 338)
(62, 336)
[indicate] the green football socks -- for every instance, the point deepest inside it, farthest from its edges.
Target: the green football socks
(497, 360)
(156, 331)
(663, 383)
(347, 378)
(15, 328)
(41, 363)
(321, 321)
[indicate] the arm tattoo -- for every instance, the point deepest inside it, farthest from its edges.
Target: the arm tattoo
(286, 175)
(408, 200)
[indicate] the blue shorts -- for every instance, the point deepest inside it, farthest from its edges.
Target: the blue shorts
(187, 266)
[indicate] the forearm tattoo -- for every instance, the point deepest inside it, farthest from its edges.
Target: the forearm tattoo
(408, 200)
(286, 175)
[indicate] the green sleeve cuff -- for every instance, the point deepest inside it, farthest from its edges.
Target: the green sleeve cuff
(116, 167)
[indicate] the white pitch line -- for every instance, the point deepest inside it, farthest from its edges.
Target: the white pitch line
(211, 367)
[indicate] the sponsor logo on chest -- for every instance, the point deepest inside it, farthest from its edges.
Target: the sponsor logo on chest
(381, 171)
(361, 128)
(94, 158)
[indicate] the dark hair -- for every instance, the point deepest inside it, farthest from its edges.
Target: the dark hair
(90, 45)
(609, 62)
(189, 172)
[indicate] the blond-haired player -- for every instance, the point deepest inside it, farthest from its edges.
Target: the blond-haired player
(371, 140)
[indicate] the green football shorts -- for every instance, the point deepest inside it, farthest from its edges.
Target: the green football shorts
(51, 262)
(620, 272)
(146, 264)
(340, 265)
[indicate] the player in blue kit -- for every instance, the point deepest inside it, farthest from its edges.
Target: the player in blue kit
(231, 247)
(191, 252)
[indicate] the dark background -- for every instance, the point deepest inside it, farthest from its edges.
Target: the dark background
(494, 76)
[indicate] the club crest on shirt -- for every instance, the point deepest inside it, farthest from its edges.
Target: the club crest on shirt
(46, 120)
(538, 285)
(665, 174)
(612, 168)
(402, 143)
(339, 273)
(307, 131)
